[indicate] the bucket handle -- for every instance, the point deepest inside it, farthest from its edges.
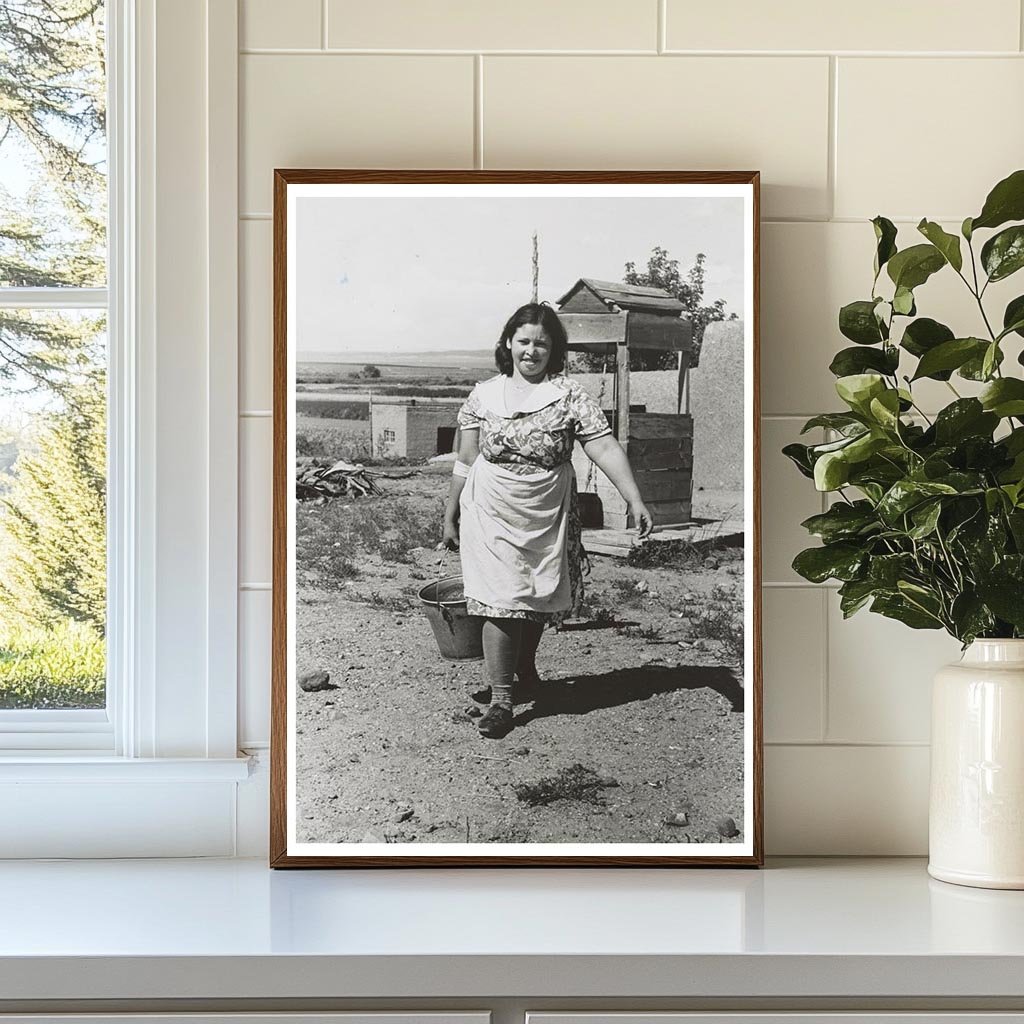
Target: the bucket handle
(445, 611)
(440, 576)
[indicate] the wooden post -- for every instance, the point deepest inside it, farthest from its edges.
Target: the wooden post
(622, 393)
(536, 267)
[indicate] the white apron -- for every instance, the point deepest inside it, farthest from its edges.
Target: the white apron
(512, 537)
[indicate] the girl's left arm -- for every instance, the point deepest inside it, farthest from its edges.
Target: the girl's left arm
(607, 454)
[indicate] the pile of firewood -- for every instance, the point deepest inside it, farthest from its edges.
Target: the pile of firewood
(318, 478)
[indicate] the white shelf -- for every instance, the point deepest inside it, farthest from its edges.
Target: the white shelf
(233, 929)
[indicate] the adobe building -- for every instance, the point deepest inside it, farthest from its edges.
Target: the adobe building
(412, 428)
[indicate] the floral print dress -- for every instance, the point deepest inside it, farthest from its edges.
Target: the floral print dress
(538, 436)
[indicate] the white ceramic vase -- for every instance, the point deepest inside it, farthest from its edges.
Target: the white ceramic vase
(976, 814)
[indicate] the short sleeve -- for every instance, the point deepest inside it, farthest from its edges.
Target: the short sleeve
(470, 413)
(588, 417)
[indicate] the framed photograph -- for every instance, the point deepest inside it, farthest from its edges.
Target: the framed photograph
(516, 587)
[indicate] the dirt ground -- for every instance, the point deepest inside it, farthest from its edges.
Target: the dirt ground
(636, 736)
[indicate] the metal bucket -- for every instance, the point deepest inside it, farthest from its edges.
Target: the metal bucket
(457, 633)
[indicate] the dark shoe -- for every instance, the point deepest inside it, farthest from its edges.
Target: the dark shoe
(496, 722)
(527, 687)
(481, 693)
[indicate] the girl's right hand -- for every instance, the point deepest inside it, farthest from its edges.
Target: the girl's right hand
(450, 536)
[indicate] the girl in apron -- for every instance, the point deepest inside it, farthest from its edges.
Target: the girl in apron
(512, 510)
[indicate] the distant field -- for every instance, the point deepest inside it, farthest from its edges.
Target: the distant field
(341, 373)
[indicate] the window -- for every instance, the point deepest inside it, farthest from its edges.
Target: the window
(155, 769)
(53, 366)
(389, 436)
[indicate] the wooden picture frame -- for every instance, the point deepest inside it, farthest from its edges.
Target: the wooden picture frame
(315, 215)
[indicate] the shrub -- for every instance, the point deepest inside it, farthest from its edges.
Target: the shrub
(63, 666)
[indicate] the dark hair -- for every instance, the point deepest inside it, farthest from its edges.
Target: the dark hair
(534, 313)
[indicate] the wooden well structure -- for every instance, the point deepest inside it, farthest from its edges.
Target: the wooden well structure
(609, 317)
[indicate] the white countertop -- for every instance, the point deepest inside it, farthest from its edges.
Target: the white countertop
(235, 929)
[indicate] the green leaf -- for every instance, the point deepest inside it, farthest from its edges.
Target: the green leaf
(857, 322)
(1005, 202)
(866, 445)
(855, 594)
(841, 421)
(850, 361)
(832, 561)
(965, 229)
(923, 335)
(966, 417)
(990, 360)
(904, 495)
(1003, 254)
(1004, 397)
(831, 471)
(950, 355)
(858, 389)
(842, 521)
(799, 455)
(1015, 520)
(947, 244)
(970, 617)
(903, 302)
(925, 518)
(1013, 318)
(885, 237)
(887, 570)
(974, 368)
(885, 409)
(1005, 596)
(912, 267)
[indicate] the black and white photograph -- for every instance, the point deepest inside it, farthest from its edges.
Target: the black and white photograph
(516, 567)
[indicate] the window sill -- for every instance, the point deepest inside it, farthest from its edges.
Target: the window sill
(75, 766)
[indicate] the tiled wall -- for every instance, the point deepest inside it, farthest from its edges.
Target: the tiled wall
(906, 109)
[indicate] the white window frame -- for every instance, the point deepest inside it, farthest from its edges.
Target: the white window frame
(170, 729)
(62, 730)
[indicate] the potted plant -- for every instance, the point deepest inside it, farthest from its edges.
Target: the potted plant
(927, 521)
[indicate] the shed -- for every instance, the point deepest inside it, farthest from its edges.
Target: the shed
(607, 316)
(413, 428)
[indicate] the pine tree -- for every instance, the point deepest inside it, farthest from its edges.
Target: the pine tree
(53, 123)
(53, 234)
(53, 518)
(663, 272)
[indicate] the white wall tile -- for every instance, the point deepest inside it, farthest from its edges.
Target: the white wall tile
(471, 25)
(270, 24)
(880, 676)
(255, 315)
(869, 25)
(255, 507)
(846, 801)
(351, 111)
(787, 499)
(692, 113)
(961, 130)
(254, 618)
(809, 271)
(793, 632)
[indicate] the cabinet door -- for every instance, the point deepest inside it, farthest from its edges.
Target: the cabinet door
(358, 1017)
(785, 1017)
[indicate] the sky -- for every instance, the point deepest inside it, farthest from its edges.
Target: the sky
(413, 275)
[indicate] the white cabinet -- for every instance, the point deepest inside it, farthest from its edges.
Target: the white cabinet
(361, 1017)
(784, 1017)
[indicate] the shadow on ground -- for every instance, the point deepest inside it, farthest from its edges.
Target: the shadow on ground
(579, 695)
